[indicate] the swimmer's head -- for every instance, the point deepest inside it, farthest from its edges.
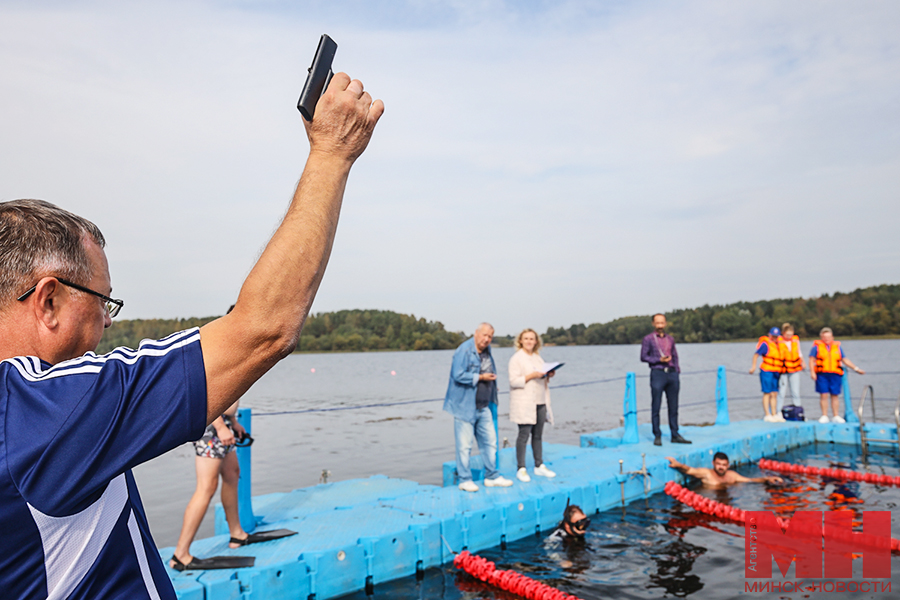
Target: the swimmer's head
(575, 522)
(720, 463)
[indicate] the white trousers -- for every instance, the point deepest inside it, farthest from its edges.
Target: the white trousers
(792, 380)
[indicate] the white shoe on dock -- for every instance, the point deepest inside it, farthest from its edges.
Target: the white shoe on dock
(498, 481)
(837, 419)
(468, 486)
(522, 475)
(767, 418)
(543, 471)
(824, 419)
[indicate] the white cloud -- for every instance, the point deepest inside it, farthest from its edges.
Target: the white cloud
(538, 164)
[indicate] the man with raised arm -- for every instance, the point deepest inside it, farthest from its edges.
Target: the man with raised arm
(73, 424)
(720, 475)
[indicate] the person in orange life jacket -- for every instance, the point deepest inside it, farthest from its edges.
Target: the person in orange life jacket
(769, 372)
(793, 364)
(826, 360)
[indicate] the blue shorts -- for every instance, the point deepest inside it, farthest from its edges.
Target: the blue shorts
(828, 383)
(769, 381)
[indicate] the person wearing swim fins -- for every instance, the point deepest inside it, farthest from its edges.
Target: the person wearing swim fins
(215, 458)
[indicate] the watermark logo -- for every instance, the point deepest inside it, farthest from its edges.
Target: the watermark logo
(820, 545)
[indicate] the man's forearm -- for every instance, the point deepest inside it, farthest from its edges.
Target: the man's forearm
(283, 283)
(273, 303)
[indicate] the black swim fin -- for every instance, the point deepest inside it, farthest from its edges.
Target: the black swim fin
(214, 562)
(263, 536)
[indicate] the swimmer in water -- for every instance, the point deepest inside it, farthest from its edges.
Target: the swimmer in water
(720, 475)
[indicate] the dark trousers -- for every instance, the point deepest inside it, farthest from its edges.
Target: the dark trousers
(536, 432)
(660, 382)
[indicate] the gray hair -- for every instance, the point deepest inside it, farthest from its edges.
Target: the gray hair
(38, 239)
(826, 330)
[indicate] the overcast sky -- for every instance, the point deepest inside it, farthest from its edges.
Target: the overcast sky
(538, 163)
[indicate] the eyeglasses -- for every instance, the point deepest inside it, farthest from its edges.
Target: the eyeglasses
(113, 306)
(581, 524)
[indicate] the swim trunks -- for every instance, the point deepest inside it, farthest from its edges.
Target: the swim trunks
(768, 381)
(829, 383)
(210, 445)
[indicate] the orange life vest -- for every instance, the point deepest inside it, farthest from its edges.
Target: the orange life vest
(828, 360)
(773, 361)
(793, 362)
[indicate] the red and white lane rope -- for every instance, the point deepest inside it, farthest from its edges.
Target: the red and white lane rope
(510, 581)
(783, 467)
(711, 507)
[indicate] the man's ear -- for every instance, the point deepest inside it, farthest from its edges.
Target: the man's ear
(47, 300)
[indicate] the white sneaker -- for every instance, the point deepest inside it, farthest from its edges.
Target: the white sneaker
(780, 419)
(823, 419)
(522, 475)
(498, 481)
(543, 471)
(767, 418)
(838, 419)
(468, 486)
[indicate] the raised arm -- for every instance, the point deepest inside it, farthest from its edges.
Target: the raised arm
(735, 477)
(692, 471)
(273, 303)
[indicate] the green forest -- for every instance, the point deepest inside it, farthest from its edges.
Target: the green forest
(344, 330)
(864, 312)
(868, 311)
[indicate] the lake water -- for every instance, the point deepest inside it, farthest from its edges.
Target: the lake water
(659, 548)
(412, 440)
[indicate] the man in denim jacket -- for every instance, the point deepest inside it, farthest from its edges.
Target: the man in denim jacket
(472, 389)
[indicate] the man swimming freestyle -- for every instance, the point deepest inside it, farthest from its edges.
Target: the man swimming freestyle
(73, 424)
(720, 475)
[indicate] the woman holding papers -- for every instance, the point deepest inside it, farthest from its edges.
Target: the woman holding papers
(529, 401)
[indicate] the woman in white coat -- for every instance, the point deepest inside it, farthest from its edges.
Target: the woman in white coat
(529, 401)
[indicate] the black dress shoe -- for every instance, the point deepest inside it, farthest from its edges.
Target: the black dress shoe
(657, 441)
(677, 439)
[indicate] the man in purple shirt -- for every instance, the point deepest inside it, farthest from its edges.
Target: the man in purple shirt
(658, 350)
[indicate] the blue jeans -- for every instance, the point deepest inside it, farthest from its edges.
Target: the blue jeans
(483, 432)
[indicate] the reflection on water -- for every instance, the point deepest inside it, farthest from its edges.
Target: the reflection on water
(659, 548)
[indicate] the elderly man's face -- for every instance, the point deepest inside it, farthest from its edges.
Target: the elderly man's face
(483, 338)
(827, 337)
(88, 316)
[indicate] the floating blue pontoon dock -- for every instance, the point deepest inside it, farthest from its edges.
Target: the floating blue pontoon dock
(353, 535)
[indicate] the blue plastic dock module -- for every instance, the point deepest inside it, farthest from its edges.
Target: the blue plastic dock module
(359, 533)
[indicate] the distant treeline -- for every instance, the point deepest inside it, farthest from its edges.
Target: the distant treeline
(356, 330)
(129, 333)
(345, 330)
(867, 311)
